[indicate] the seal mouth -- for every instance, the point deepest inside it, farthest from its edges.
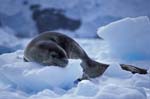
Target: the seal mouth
(61, 63)
(64, 62)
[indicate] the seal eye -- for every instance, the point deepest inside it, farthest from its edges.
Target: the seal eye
(54, 55)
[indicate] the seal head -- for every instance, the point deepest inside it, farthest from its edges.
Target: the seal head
(47, 53)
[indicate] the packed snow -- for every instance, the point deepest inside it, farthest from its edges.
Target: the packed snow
(29, 80)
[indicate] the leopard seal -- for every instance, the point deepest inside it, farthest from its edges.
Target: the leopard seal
(53, 48)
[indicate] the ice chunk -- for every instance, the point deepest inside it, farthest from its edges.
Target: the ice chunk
(29, 76)
(33, 77)
(128, 38)
(115, 70)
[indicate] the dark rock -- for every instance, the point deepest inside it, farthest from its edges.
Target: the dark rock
(52, 19)
(133, 69)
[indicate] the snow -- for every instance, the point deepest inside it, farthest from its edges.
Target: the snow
(86, 88)
(29, 80)
(6, 38)
(119, 74)
(120, 93)
(8, 42)
(128, 38)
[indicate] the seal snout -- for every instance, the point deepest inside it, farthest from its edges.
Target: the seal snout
(64, 62)
(61, 62)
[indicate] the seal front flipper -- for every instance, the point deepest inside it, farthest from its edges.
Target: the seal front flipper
(84, 77)
(133, 69)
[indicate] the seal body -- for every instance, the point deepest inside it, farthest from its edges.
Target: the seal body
(52, 48)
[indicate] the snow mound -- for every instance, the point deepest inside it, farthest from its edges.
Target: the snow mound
(128, 38)
(86, 88)
(32, 77)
